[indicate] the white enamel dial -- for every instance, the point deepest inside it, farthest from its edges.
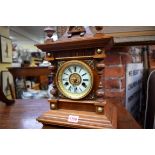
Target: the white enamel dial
(75, 79)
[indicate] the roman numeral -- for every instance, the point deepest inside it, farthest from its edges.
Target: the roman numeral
(65, 73)
(80, 89)
(85, 80)
(69, 88)
(80, 70)
(75, 89)
(74, 68)
(70, 70)
(84, 74)
(65, 79)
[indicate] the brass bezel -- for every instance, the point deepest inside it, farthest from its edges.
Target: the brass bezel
(59, 81)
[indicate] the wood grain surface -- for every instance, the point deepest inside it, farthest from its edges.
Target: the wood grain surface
(23, 115)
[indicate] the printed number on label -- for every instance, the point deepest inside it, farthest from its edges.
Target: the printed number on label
(72, 118)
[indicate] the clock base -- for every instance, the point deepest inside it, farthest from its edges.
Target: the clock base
(78, 105)
(76, 119)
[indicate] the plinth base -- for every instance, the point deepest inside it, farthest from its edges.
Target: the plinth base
(80, 119)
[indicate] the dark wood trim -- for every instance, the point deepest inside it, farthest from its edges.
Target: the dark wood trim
(96, 56)
(75, 58)
(74, 101)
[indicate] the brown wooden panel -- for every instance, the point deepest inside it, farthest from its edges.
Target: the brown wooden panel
(68, 44)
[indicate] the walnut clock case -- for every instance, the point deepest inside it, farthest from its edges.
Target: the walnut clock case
(78, 81)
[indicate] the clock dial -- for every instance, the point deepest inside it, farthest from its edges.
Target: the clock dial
(74, 79)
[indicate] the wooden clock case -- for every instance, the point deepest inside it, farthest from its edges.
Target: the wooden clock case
(92, 110)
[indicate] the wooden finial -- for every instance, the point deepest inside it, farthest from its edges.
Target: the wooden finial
(99, 31)
(76, 30)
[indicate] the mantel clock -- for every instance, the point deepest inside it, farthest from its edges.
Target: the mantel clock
(74, 79)
(78, 80)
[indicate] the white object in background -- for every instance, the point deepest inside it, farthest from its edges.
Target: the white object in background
(27, 95)
(134, 75)
(41, 94)
(50, 87)
(33, 91)
(28, 84)
(45, 64)
(16, 64)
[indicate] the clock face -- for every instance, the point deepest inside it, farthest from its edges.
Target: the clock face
(74, 79)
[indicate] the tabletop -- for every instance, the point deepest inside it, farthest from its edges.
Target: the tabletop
(23, 115)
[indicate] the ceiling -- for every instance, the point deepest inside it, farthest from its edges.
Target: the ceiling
(35, 30)
(27, 36)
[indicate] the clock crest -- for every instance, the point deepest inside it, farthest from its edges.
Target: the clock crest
(76, 30)
(78, 80)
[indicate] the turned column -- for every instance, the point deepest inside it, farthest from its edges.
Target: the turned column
(99, 57)
(53, 91)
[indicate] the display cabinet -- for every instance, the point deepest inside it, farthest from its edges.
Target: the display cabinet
(41, 73)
